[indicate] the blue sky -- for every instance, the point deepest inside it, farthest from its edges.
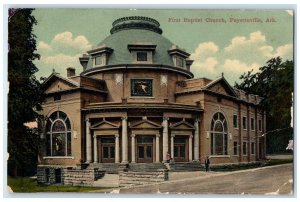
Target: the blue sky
(232, 47)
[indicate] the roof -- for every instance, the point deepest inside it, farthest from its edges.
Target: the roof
(119, 43)
(56, 75)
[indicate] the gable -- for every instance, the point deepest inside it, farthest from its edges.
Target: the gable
(182, 125)
(218, 88)
(55, 83)
(145, 124)
(221, 86)
(104, 125)
(58, 85)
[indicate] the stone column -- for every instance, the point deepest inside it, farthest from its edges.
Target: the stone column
(165, 138)
(133, 148)
(196, 141)
(88, 142)
(190, 148)
(157, 148)
(117, 148)
(95, 150)
(172, 146)
(124, 141)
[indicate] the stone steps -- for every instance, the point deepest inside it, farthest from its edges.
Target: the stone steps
(186, 167)
(110, 168)
(141, 178)
(146, 167)
(109, 180)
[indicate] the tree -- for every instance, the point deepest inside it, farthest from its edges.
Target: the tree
(25, 95)
(274, 82)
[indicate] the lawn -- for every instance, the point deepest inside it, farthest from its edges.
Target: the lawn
(26, 185)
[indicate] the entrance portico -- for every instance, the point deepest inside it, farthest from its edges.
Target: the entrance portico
(143, 140)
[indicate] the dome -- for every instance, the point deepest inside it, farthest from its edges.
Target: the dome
(135, 30)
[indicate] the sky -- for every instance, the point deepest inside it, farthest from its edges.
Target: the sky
(219, 41)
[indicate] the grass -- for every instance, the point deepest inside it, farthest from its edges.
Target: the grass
(273, 162)
(27, 185)
(236, 167)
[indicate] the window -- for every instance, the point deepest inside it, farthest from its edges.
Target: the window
(219, 137)
(244, 123)
(98, 60)
(235, 121)
(57, 97)
(252, 148)
(58, 135)
(179, 62)
(235, 148)
(141, 56)
(252, 124)
(244, 148)
(141, 87)
(259, 125)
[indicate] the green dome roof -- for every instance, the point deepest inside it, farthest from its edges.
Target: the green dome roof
(131, 30)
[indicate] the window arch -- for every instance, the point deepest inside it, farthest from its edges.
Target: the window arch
(58, 133)
(219, 134)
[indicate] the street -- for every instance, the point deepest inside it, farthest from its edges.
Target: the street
(271, 180)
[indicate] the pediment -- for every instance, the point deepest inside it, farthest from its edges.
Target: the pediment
(56, 83)
(145, 124)
(103, 125)
(182, 125)
(221, 86)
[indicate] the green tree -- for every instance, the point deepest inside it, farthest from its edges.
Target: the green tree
(25, 94)
(274, 82)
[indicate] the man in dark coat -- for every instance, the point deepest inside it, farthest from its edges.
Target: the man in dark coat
(207, 164)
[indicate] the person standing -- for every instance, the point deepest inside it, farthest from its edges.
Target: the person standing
(207, 164)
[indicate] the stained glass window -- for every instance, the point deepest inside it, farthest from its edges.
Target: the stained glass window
(58, 135)
(219, 138)
(141, 87)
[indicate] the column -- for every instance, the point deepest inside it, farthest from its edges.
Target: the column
(88, 142)
(95, 150)
(117, 148)
(196, 141)
(165, 138)
(124, 141)
(190, 148)
(133, 148)
(172, 146)
(157, 148)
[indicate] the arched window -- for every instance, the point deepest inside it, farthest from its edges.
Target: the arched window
(219, 135)
(58, 133)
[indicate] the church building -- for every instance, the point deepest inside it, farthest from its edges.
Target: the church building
(136, 105)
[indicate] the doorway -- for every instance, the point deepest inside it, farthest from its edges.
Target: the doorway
(144, 149)
(107, 150)
(180, 149)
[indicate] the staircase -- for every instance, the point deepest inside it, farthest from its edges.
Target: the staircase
(109, 168)
(142, 178)
(146, 167)
(186, 167)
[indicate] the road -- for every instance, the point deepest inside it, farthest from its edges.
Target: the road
(273, 180)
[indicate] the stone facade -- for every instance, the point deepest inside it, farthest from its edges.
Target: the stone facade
(136, 102)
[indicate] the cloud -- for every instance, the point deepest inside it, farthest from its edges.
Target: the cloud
(241, 42)
(208, 66)
(66, 39)
(290, 12)
(242, 54)
(239, 67)
(285, 51)
(63, 51)
(204, 50)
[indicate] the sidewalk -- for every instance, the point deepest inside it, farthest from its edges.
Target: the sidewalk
(279, 156)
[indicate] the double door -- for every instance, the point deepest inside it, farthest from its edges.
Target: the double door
(106, 147)
(144, 149)
(180, 149)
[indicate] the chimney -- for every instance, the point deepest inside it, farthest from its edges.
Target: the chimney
(70, 71)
